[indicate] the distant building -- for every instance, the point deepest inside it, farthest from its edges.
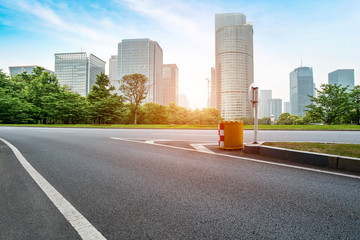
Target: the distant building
(78, 71)
(142, 56)
(169, 85)
(264, 103)
(343, 77)
(14, 70)
(234, 64)
(275, 107)
(214, 90)
(113, 62)
(301, 85)
(183, 101)
(287, 107)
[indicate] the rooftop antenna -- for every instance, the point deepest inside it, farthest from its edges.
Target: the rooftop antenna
(301, 61)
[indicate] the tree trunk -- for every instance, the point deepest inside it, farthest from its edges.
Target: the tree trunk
(135, 113)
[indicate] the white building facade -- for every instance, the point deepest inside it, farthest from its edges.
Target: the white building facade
(233, 64)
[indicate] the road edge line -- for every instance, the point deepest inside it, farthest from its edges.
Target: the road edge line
(246, 159)
(83, 227)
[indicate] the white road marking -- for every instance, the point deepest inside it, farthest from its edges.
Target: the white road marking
(157, 140)
(247, 159)
(201, 148)
(75, 218)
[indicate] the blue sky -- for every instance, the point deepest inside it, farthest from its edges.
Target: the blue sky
(324, 34)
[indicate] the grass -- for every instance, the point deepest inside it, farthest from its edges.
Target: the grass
(350, 150)
(175, 126)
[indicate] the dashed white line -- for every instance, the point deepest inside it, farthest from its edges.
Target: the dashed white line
(246, 159)
(75, 218)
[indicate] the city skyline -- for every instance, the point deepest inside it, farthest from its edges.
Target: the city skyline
(283, 36)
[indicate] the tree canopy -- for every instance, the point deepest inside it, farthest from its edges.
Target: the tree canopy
(134, 90)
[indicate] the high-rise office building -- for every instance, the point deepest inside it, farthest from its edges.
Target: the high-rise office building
(14, 70)
(113, 64)
(264, 103)
(345, 77)
(142, 56)
(183, 101)
(234, 64)
(78, 71)
(169, 85)
(275, 105)
(287, 107)
(301, 85)
(214, 89)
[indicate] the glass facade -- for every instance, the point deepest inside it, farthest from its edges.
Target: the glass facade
(29, 69)
(168, 87)
(214, 91)
(234, 64)
(343, 77)
(78, 71)
(264, 103)
(142, 56)
(113, 62)
(301, 85)
(275, 107)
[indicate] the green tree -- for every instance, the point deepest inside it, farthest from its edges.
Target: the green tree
(282, 119)
(134, 89)
(153, 113)
(354, 97)
(331, 104)
(104, 106)
(211, 116)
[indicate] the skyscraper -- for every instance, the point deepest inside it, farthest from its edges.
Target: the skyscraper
(275, 106)
(183, 101)
(14, 70)
(287, 107)
(113, 64)
(301, 85)
(142, 56)
(78, 71)
(345, 77)
(234, 64)
(264, 103)
(168, 87)
(214, 89)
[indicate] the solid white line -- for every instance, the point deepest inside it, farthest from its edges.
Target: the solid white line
(248, 159)
(75, 218)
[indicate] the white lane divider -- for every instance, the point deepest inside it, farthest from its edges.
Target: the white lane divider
(75, 218)
(247, 159)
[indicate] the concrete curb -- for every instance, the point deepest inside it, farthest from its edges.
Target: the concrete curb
(317, 159)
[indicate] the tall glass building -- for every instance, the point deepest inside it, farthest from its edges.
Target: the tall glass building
(234, 64)
(78, 71)
(301, 85)
(169, 86)
(264, 103)
(14, 70)
(142, 56)
(113, 64)
(343, 77)
(214, 91)
(275, 107)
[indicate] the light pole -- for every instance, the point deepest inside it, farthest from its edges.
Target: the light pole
(253, 98)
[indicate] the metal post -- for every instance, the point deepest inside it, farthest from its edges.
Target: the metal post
(256, 122)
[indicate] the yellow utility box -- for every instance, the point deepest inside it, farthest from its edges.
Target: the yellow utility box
(231, 135)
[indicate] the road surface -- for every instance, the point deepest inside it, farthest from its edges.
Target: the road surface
(125, 187)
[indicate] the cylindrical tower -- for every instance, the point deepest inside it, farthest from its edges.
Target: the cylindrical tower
(234, 64)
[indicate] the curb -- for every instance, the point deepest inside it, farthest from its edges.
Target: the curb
(317, 159)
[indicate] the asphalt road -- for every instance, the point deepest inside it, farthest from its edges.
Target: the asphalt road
(128, 189)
